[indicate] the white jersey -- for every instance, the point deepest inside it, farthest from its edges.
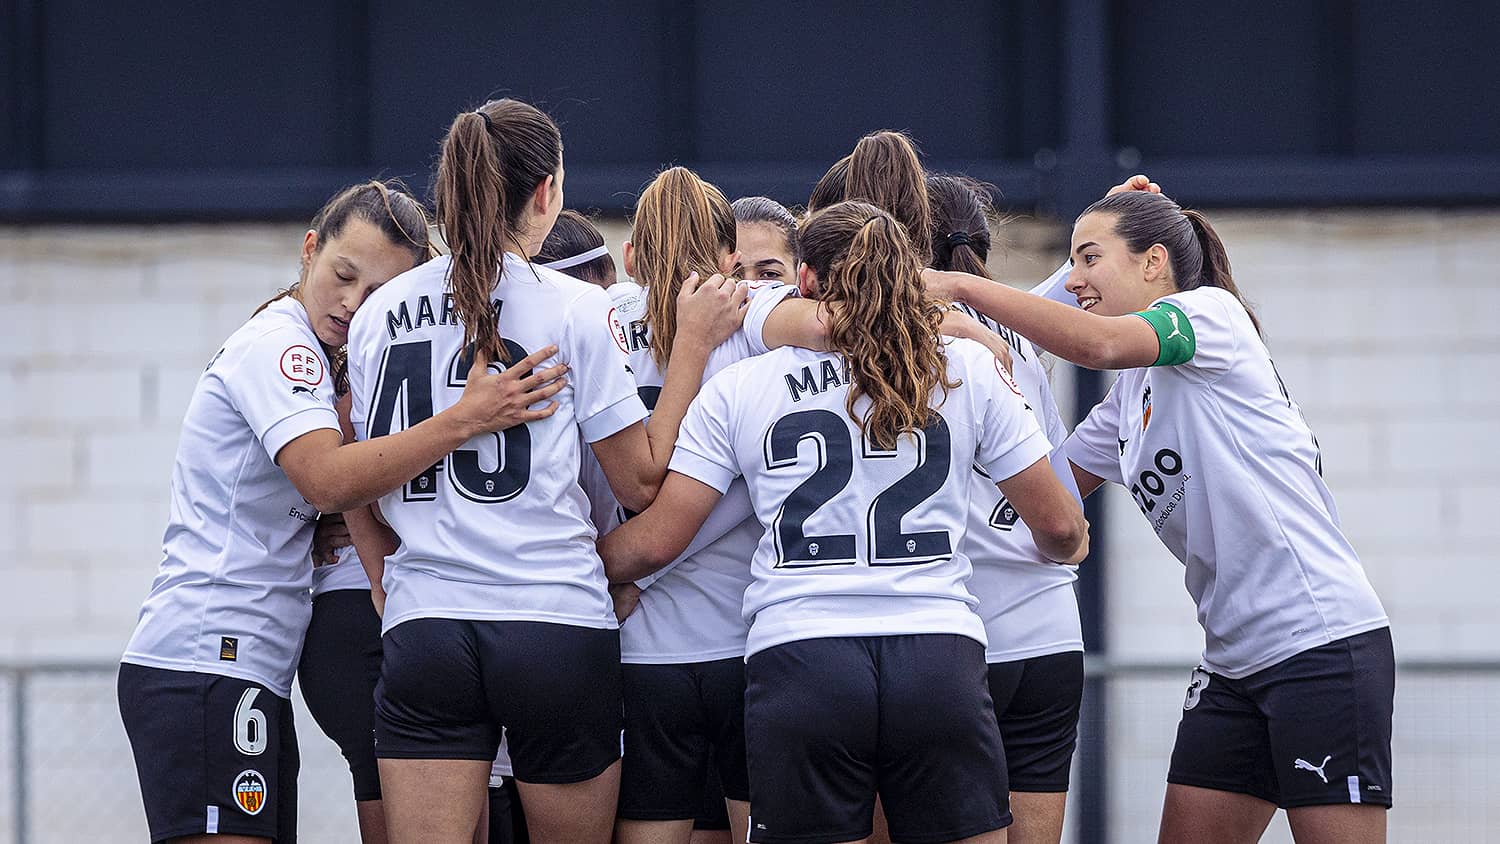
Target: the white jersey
(497, 530)
(1026, 600)
(346, 573)
(231, 596)
(691, 610)
(501, 767)
(858, 541)
(1222, 464)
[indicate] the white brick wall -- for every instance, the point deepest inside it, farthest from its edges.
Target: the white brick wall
(106, 331)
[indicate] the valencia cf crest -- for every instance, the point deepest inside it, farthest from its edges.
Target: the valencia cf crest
(1146, 408)
(250, 791)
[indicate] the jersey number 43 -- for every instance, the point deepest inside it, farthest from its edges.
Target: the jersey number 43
(404, 397)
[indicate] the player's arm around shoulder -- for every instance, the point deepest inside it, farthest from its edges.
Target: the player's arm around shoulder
(335, 477)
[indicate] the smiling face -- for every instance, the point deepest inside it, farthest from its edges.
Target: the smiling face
(763, 253)
(1107, 277)
(341, 272)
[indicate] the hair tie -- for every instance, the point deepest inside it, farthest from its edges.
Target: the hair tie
(488, 126)
(581, 258)
(957, 239)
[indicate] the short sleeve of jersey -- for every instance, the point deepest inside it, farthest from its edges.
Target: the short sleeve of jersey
(1196, 328)
(281, 386)
(1010, 438)
(1094, 445)
(705, 451)
(604, 396)
(763, 300)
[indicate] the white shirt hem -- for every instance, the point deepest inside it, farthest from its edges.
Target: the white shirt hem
(280, 689)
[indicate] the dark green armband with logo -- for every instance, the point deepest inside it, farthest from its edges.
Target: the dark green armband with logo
(1173, 332)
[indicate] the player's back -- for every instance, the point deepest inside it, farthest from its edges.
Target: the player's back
(498, 530)
(860, 540)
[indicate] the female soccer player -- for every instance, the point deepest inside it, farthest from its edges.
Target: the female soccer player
(575, 246)
(1030, 612)
(865, 657)
(1292, 704)
(766, 237)
(205, 682)
(497, 612)
(684, 645)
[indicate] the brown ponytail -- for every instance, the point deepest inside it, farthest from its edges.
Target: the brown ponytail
(389, 207)
(492, 160)
(885, 171)
(961, 214)
(1194, 251)
(681, 225)
(881, 323)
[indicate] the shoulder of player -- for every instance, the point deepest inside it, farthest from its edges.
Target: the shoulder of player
(1208, 301)
(963, 353)
(280, 325)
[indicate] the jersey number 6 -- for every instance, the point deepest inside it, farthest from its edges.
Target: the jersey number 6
(403, 398)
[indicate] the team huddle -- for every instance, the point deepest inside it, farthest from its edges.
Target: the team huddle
(775, 542)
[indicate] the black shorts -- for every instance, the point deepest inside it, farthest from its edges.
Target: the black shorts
(1311, 730)
(1037, 702)
(339, 669)
(829, 723)
(507, 820)
(448, 686)
(715, 814)
(680, 721)
(214, 754)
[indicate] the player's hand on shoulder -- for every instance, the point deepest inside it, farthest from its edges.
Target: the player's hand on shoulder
(1136, 182)
(495, 401)
(956, 323)
(710, 310)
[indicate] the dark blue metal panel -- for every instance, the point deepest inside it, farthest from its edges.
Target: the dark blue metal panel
(166, 109)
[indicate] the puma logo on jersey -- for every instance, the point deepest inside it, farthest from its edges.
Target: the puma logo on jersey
(311, 391)
(229, 648)
(1304, 765)
(1176, 329)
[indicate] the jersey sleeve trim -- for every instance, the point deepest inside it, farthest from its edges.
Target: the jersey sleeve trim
(294, 426)
(613, 419)
(1085, 456)
(700, 468)
(1024, 453)
(763, 301)
(1174, 333)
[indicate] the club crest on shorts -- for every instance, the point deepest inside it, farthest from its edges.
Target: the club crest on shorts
(1146, 408)
(1195, 688)
(250, 791)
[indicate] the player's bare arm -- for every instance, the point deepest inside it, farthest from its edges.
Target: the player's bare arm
(335, 477)
(1056, 520)
(660, 533)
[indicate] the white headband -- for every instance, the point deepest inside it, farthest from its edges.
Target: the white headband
(580, 258)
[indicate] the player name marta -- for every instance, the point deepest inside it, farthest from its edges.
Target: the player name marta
(401, 316)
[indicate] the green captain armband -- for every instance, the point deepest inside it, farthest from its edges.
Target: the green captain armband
(1173, 332)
